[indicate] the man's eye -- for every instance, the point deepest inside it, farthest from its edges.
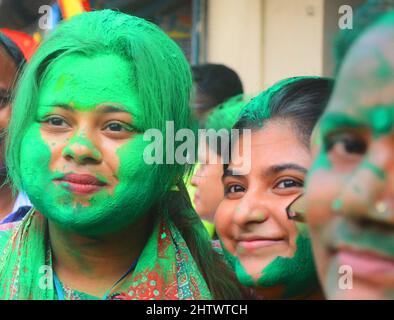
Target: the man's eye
(289, 183)
(234, 189)
(346, 144)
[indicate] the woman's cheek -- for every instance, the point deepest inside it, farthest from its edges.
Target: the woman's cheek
(34, 150)
(223, 224)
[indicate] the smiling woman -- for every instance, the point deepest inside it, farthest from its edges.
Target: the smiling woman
(104, 223)
(268, 251)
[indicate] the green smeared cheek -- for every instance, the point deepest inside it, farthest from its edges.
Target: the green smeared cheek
(37, 178)
(242, 275)
(297, 275)
(35, 173)
(137, 189)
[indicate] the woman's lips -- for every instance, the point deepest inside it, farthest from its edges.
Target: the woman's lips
(81, 183)
(258, 243)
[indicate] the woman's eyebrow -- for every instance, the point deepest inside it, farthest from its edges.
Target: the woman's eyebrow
(59, 105)
(278, 168)
(232, 173)
(111, 109)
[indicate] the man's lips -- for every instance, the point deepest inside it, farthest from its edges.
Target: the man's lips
(365, 262)
(81, 183)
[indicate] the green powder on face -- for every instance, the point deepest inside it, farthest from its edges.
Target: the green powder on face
(158, 76)
(369, 239)
(81, 140)
(242, 276)
(58, 203)
(297, 274)
(138, 185)
(337, 204)
(374, 169)
(261, 216)
(381, 119)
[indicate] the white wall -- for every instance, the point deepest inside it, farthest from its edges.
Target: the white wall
(235, 38)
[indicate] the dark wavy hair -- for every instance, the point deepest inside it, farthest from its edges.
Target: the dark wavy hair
(12, 50)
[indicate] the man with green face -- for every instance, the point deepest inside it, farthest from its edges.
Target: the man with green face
(351, 214)
(105, 224)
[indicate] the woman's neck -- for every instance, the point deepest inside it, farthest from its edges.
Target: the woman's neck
(93, 264)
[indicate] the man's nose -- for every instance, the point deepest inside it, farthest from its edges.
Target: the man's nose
(369, 192)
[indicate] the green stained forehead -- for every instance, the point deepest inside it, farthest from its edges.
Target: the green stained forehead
(364, 90)
(379, 119)
(86, 82)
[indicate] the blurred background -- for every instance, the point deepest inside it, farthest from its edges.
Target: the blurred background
(262, 40)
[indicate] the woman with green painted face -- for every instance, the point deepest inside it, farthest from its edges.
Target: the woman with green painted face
(350, 190)
(269, 251)
(104, 224)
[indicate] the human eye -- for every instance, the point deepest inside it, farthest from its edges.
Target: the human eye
(233, 190)
(117, 127)
(55, 121)
(345, 143)
(4, 99)
(289, 183)
(345, 150)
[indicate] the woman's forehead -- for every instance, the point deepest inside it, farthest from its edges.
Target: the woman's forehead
(85, 82)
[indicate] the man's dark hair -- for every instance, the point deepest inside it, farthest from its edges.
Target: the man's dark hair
(12, 50)
(217, 82)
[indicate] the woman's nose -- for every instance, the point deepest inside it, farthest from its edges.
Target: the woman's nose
(248, 213)
(82, 150)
